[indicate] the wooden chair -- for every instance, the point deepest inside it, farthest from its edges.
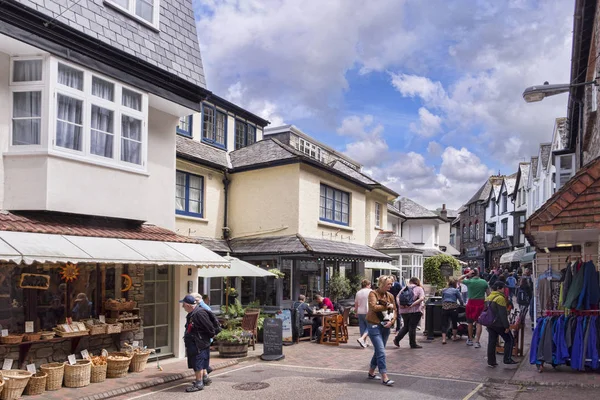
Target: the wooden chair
(305, 327)
(250, 324)
(333, 331)
(345, 322)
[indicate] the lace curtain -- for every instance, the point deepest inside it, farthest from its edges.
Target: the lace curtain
(131, 99)
(27, 70)
(69, 113)
(102, 132)
(70, 77)
(195, 198)
(180, 192)
(104, 90)
(131, 139)
(27, 113)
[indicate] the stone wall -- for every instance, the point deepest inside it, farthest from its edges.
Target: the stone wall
(136, 272)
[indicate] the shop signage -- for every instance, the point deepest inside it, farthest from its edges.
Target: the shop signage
(473, 252)
(85, 354)
(8, 362)
(28, 326)
(102, 318)
(446, 269)
(498, 243)
(272, 339)
(31, 368)
(286, 322)
(72, 359)
(34, 281)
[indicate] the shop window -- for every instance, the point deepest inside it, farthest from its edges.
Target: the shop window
(157, 292)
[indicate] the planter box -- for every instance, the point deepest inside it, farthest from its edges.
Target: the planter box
(353, 321)
(233, 350)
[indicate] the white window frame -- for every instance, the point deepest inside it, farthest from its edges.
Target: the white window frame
(130, 11)
(559, 170)
(377, 215)
(594, 98)
(50, 89)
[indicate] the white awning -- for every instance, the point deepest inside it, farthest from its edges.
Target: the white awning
(238, 268)
(512, 256)
(44, 248)
(380, 266)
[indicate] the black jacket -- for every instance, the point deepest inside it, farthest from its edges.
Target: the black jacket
(200, 327)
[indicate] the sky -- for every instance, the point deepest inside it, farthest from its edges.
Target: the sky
(426, 95)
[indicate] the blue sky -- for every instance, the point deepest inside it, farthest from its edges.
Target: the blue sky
(425, 94)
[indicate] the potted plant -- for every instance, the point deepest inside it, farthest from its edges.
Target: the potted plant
(339, 286)
(232, 294)
(233, 343)
(353, 317)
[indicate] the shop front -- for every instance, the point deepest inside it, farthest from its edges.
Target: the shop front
(474, 257)
(495, 249)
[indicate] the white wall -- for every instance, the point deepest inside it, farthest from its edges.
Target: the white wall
(420, 232)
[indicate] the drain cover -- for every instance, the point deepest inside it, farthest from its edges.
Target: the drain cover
(251, 386)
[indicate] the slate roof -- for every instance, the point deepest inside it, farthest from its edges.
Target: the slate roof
(451, 250)
(174, 48)
(270, 150)
(534, 166)
(562, 133)
(394, 210)
(524, 168)
(201, 153)
(510, 182)
(297, 244)
(83, 225)
(482, 194)
(388, 240)
(450, 213)
(411, 209)
(429, 252)
(216, 245)
(545, 151)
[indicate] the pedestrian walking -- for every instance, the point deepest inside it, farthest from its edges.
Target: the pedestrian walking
(511, 283)
(381, 317)
(361, 307)
(200, 302)
(411, 313)
(451, 299)
(498, 303)
(477, 290)
(200, 327)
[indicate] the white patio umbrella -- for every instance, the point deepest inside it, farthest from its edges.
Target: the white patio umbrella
(238, 268)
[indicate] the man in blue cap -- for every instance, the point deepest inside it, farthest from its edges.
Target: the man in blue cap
(200, 327)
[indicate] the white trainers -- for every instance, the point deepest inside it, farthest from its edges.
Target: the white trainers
(477, 345)
(469, 342)
(362, 343)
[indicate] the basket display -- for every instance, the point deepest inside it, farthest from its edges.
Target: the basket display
(15, 381)
(139, 361)
(36, 384)
(55, 373)
(78, 374)
(97, 328)
(71, 334)
(114, 328)
(98, 373)
(32, 337)
(118, 364)
(46, 335)
(11, 339)
(119, 305)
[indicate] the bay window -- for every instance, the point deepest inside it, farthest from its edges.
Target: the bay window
(565, 169)
(86, 115)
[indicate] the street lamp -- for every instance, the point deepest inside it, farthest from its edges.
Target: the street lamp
(539, 92)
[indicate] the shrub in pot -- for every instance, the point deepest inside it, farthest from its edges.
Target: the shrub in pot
(233, 343)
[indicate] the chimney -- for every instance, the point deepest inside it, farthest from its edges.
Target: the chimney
(444, 213)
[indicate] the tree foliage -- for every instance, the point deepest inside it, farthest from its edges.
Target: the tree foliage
(431, 269)
(339, 287)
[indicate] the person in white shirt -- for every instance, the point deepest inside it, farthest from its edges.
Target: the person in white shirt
(361, 307)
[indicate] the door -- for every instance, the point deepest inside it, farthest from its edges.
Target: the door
(157, 308)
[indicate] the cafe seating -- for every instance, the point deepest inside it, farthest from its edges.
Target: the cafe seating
(250, 324)
(305, 328)
(334, 331)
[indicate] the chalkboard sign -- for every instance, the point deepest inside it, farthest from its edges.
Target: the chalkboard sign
(272, 340)
(446, 269)
(34, 281)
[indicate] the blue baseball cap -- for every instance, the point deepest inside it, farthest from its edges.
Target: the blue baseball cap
(189, 299)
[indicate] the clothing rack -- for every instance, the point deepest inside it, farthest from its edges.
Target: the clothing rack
(577, 313)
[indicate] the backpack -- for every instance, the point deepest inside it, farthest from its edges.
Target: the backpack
(523, 298)
(487, 316)
(406, 296)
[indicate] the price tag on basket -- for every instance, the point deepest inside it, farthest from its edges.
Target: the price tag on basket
(102, 318)
(85, 354)
(4, 332)
(7, 364)
(104, 353)
(28, 326)
(72, 359)
(31, 368)
(135, 343)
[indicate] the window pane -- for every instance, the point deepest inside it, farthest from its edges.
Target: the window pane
(221, 128)
(144, 9)
(162, 313)
(195, 207)
(70, 77)
(162, 336)
(149, 336)
(131, 99)
(149, 316)
(251, 137)
(240, 131)
(26, 117)
(566, 162)
(69, 122)
(194, 194)
(102, 133)
(195, 182)
(103, 89)
(27, 70)
(131, 146)
(208, 125)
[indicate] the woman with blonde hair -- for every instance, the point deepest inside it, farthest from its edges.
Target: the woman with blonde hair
(411, 314)
(381, 316)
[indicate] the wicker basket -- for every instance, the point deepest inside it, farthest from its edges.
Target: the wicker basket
(98, 373)
(36, 384)
(118, 368)
(111, 304)
(55, 372)
(32, 337)
(139, 361)
(15, 381)
(114, 328)
(71, 334)
(11, 339)
(46, 335)
(78, 374)
(97, 329)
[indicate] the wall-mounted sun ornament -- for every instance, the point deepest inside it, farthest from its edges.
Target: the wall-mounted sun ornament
(69, 272)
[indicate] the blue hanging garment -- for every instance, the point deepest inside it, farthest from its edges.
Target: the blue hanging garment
(561, 352)
(535, 338)
(577, 349)
(592, 351)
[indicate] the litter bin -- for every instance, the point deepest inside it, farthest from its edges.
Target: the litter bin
(433, 317)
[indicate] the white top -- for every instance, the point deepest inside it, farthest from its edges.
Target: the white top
(361, 301)
(463, 288)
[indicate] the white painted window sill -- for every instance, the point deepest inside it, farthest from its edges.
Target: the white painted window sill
(190, 218)
(336, 226)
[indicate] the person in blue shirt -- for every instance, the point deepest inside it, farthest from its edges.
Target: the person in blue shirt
(511, 284)
(451, 299)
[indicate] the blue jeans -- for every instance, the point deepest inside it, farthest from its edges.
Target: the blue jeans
(362, 323)
(379, 336)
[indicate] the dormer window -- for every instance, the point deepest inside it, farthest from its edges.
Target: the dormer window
(214, 126)
(245, 134)
(311, 150)
(145, 11)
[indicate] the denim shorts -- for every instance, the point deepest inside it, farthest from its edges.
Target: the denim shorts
(198, 360)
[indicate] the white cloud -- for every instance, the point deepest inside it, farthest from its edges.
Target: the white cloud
(463, 166)
(429, 124)
(434, 149)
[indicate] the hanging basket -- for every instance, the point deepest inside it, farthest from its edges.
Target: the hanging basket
(36, 384)
(78, 374)
(56, 372)
(139, 361)
(15, 381)
(118, 364)
(98, 373)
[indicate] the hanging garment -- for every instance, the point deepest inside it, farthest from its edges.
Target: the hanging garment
(590, 293)
(567, 282)
(540, 346)
(577, 353)
(592, 350)
(561, 352)
(535, 338)
(547, 341)
(561, 298)
(574, 290)
(545, 294)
